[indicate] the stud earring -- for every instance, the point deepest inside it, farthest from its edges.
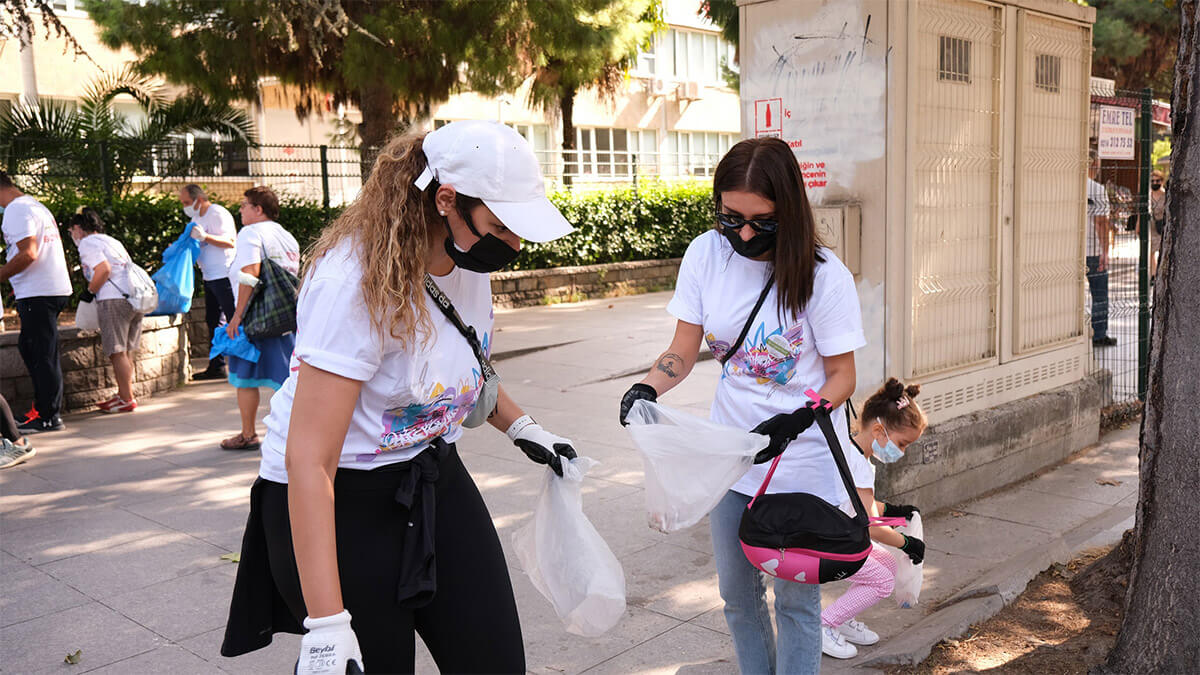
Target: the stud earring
(442, 213)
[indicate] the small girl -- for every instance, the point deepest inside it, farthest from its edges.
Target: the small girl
(891, 420)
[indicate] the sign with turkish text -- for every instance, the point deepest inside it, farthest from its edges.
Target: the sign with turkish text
(1115, 140)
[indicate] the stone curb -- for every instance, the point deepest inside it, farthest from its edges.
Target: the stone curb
(990, 593)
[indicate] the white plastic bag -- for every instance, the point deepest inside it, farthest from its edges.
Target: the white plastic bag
(909, 577)
(87, 316)
(690, 462)
(566, 558)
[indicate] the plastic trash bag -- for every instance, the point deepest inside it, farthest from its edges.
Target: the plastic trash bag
(239, 346)
(87, 316)
(567, 560)
(909, 577)
(690, 462)
(175, 280)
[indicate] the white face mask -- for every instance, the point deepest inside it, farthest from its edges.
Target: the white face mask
(191, 211)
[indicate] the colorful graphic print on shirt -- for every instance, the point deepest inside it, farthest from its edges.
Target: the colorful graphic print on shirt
(413, 422)
(767, 357)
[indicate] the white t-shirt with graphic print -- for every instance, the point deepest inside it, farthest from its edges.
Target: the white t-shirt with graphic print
(98, 248)
(410, 395)
(781, 358)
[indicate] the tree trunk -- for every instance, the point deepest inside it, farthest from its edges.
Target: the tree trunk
(379, 120)
(570, 158)
(1160, 632)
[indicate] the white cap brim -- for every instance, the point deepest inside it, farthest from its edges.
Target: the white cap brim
(536, 220)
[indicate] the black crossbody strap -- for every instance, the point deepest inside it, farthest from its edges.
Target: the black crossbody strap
(825, 423)
(762, 297)
(468, 332)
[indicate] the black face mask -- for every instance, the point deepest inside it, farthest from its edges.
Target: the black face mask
(1156, 185)
(759, 244)
(489, 254)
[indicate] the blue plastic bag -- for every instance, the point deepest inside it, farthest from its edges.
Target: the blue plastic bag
(176, 279)
(240, 346)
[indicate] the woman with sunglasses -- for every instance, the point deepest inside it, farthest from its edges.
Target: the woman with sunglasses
(802, 337)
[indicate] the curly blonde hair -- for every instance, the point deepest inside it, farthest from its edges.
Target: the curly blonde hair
(393, 226)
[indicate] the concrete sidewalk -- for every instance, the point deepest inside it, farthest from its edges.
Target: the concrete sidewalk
(111, 537)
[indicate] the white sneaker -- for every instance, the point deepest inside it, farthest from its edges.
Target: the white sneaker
(833, 644)
(858, 633)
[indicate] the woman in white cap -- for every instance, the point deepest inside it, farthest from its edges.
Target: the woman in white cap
(364, 525)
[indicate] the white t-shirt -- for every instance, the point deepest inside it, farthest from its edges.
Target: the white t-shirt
(269, 236)
(410, 395)
(779, 360)
(1097, 205)
(862, 471)
(26, 217)
(214, 260)
(97, 248)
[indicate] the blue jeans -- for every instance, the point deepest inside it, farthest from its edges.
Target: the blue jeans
(797, 606)
(1098, 285)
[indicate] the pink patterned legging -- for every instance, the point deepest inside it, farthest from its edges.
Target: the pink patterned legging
(868, 586)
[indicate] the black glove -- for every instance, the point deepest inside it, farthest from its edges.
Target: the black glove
(542, 446)
(637, 392)
(87, 296)
(915, 548)
(904, 511)
(783, 429)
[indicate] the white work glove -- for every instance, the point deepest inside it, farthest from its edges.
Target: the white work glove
(540, 445)
(329, 647)
(197, 232)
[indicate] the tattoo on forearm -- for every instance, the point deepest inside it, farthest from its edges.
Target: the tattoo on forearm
(671, 364)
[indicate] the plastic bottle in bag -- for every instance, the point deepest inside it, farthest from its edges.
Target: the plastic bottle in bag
(566, 558)
(690, 462)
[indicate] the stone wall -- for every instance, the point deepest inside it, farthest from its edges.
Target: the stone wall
(967, 456)
(572, 284)
(161, 364)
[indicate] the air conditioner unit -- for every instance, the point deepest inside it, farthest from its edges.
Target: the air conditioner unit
(657, 87)
(689, 91)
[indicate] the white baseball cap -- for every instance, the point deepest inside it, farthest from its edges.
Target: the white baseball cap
(492, 162)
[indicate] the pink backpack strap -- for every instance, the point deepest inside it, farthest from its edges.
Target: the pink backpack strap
(890, 521)
(816, 402)
(766, 481)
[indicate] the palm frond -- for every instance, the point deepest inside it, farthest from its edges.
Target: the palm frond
(196, 113)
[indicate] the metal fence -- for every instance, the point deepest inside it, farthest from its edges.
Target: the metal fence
(329, 174)
(1119, 297)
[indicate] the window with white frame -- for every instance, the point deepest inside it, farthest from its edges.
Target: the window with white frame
(686, 55)
(647, 59)
(696, 153)
(612, 152)
(697, 56)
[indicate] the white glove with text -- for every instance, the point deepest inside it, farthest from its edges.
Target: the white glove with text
(329, 647)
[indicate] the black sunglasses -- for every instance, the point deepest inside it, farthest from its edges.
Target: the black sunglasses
(732, 222)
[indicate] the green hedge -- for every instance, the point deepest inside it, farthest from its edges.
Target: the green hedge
(621, 224)
(616, 225)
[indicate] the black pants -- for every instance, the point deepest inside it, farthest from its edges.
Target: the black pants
(38, 344)
(8, 425)
(219, 305)
(471, 626)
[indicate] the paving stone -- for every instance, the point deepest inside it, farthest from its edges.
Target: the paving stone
(102, 634)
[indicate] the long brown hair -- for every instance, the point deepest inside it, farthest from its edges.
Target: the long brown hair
(393, 224)
(767, 167)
